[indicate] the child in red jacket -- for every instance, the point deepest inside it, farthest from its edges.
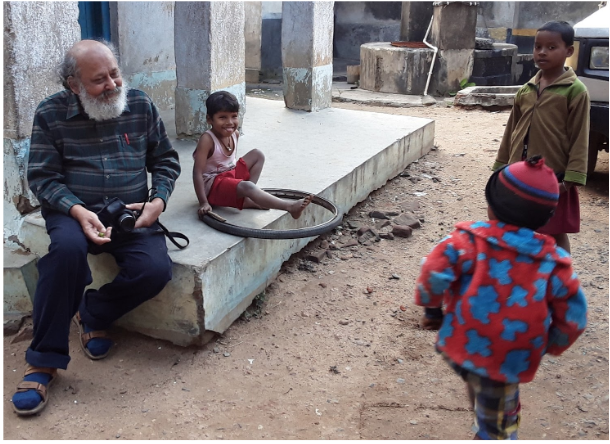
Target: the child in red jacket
(510, 295)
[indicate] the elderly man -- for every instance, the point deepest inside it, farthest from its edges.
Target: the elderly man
(91, 143)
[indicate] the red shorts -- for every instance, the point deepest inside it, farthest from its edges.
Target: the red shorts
(567, 215)
(224, 189)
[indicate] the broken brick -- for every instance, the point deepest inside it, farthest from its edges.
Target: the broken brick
(408, 219)
(316, 256)
(402, 231)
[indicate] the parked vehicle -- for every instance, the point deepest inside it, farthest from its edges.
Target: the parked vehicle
(590, 62)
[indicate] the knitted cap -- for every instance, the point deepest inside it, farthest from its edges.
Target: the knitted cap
(524, 193)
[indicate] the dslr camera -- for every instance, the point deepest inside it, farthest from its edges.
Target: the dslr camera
(114, 214)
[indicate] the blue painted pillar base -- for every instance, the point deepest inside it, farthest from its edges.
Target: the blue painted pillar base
(191, 110)
(308, 89)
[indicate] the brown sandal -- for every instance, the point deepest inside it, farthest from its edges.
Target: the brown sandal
(86, 337)
(41, 389)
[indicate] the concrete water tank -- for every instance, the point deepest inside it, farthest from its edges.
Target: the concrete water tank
(395, 69)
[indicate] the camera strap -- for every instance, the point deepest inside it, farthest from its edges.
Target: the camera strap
(173, 234)
(170, 234)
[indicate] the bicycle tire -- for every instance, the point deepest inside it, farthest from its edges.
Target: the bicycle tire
(296, 233)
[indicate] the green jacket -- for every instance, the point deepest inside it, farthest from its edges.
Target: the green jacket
(558, 123)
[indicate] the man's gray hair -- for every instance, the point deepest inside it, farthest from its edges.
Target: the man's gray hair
(68, 66)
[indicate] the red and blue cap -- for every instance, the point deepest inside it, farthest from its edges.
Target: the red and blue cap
(524, 193)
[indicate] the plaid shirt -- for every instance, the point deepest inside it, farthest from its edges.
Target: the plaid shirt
(75, 160)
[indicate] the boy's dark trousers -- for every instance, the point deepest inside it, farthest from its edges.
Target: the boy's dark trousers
(145, 268)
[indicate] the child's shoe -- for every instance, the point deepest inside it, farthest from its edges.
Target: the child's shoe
(432, 319)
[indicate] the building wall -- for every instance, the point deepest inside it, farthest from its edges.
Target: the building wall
(516, 22)
(510, 22)
(271, 40)
(364, 22)
(36, 36)
(144, 35)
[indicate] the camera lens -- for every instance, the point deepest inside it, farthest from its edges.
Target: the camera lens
(126, 222)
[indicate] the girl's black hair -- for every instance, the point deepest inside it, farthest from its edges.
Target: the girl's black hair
(221, 101)
(563, 28)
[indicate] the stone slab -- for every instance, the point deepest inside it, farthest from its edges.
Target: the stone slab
(341, 155)
(344, 92)
(487, 96)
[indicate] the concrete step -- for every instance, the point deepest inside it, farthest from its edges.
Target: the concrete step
(341, 155)
(20, 277)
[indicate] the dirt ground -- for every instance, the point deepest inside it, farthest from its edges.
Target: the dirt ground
(332, 350)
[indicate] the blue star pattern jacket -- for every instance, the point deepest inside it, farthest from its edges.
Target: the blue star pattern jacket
(510, 296)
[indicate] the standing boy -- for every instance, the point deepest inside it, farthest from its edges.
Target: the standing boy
(550, 117)
(510, 294)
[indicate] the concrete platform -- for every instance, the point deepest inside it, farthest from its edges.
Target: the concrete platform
(20, 276)
(341, 155)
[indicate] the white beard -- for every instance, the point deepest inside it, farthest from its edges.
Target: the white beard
(99, 110)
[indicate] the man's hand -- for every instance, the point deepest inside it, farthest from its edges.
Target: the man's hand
(94, 230)
(152, 211)
(203, 210)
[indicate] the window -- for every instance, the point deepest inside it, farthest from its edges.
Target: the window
(94, 20)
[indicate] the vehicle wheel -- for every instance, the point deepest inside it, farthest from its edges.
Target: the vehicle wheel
(335, 220)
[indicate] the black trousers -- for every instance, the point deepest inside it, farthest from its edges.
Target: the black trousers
(145, 268)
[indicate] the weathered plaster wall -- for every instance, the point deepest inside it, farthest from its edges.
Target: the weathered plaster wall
(364, 22)
(144, 34)
(413, 23)
(496, 14)
(535, 14)
(36, 36)
(271, 9)
(516, 22)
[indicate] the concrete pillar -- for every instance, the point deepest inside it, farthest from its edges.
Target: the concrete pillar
(307, 54)
(210, 56)
(453, 33)
(414, 20)
(143, 33)
(253, 33)
(36, 37)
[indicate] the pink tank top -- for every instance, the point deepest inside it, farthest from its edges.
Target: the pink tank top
(219, 162)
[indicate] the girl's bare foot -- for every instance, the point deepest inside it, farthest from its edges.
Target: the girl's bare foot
(296, 209)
